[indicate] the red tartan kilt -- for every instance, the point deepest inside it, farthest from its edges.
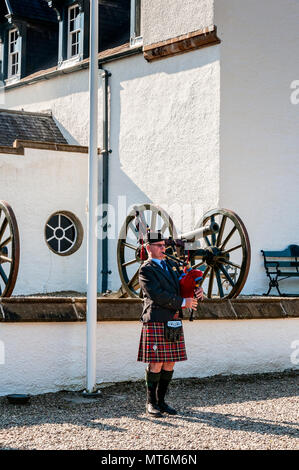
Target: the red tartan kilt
(153, 347)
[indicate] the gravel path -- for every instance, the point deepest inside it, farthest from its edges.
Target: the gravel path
(235, 412)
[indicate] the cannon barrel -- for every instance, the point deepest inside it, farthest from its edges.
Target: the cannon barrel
(200, 232)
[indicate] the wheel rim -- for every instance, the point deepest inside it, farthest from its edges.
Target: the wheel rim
(227, 260)
(128, 248)
(9, 249)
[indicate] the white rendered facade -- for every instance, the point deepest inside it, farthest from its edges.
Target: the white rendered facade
(213, 127)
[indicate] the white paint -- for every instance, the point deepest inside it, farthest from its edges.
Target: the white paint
(164, 19)
(178, 142)
(47, 357)
(166, 120)
(259, 137)
(36, 185)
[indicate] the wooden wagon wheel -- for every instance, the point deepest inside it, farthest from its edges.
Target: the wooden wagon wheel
(225, 258)
(9, 249)
(129, 245)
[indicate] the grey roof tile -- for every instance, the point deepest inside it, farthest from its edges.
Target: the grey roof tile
(24, 125)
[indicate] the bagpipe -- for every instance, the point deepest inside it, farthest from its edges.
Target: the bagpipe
(190, 279)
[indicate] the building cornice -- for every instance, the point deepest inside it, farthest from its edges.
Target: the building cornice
(181, 44)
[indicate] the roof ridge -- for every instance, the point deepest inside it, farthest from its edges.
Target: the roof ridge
(26, 113)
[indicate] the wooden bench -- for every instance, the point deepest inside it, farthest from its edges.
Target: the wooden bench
(281, 265)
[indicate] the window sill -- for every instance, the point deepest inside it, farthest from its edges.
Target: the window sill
(69, 62)
(12, 80)
(136, 42)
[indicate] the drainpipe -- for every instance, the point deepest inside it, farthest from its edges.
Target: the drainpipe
(105, 182)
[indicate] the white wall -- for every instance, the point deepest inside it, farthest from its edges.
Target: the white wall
(259, 137)
(47, 357)
(36, 185)
(164, 19)
(164, 130)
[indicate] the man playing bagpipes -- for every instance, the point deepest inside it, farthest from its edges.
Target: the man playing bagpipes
(162, 338)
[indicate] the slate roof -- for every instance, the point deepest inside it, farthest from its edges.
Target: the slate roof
(34, 9)
(24, 125)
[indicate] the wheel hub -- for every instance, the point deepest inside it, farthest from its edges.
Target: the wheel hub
(213, 256)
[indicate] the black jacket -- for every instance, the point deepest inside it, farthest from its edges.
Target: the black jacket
(161, 291)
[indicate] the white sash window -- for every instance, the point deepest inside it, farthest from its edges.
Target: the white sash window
(135, 19)
(74, 31)
(13, 53)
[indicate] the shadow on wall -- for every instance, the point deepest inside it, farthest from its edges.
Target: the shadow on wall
(138, 124)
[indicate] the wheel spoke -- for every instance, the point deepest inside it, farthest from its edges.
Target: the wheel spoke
(228, 237)
(218, 278)
(164, 227)
(3, 227)
(232, 249)
(221, 230)
(3, 275)
(197, 264)
(142, 225)
(153, 221)
(134, 282)
(135, 232)
(222, 268)
(128, 245)
(233, 264)
(205, 273)
(207, 241)
(9, 239)
(5, 258)
(211, 281)
(128, 263)
(213, 234)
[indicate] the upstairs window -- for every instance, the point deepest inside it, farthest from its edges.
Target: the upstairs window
(74, 31)
(13, 53)
(135, 20)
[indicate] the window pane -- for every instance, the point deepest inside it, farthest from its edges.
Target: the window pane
(75, 38)
(74, 19)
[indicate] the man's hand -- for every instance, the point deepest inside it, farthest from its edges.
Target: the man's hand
(191, 303)
(199, 293)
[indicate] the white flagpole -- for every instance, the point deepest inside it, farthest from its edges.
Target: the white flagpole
(91, 317)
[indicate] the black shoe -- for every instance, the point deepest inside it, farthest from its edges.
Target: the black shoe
(153, 410)
(164, 408)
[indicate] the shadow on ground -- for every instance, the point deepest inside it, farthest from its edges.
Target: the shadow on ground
(192, 397)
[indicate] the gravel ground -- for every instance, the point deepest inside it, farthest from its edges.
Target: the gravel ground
(235, 412)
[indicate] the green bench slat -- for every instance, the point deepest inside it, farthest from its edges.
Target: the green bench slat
(283, 264)
(284, 273)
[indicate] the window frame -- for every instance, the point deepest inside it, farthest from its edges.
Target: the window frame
(136, 38)
(16, 52)
(70, 33)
